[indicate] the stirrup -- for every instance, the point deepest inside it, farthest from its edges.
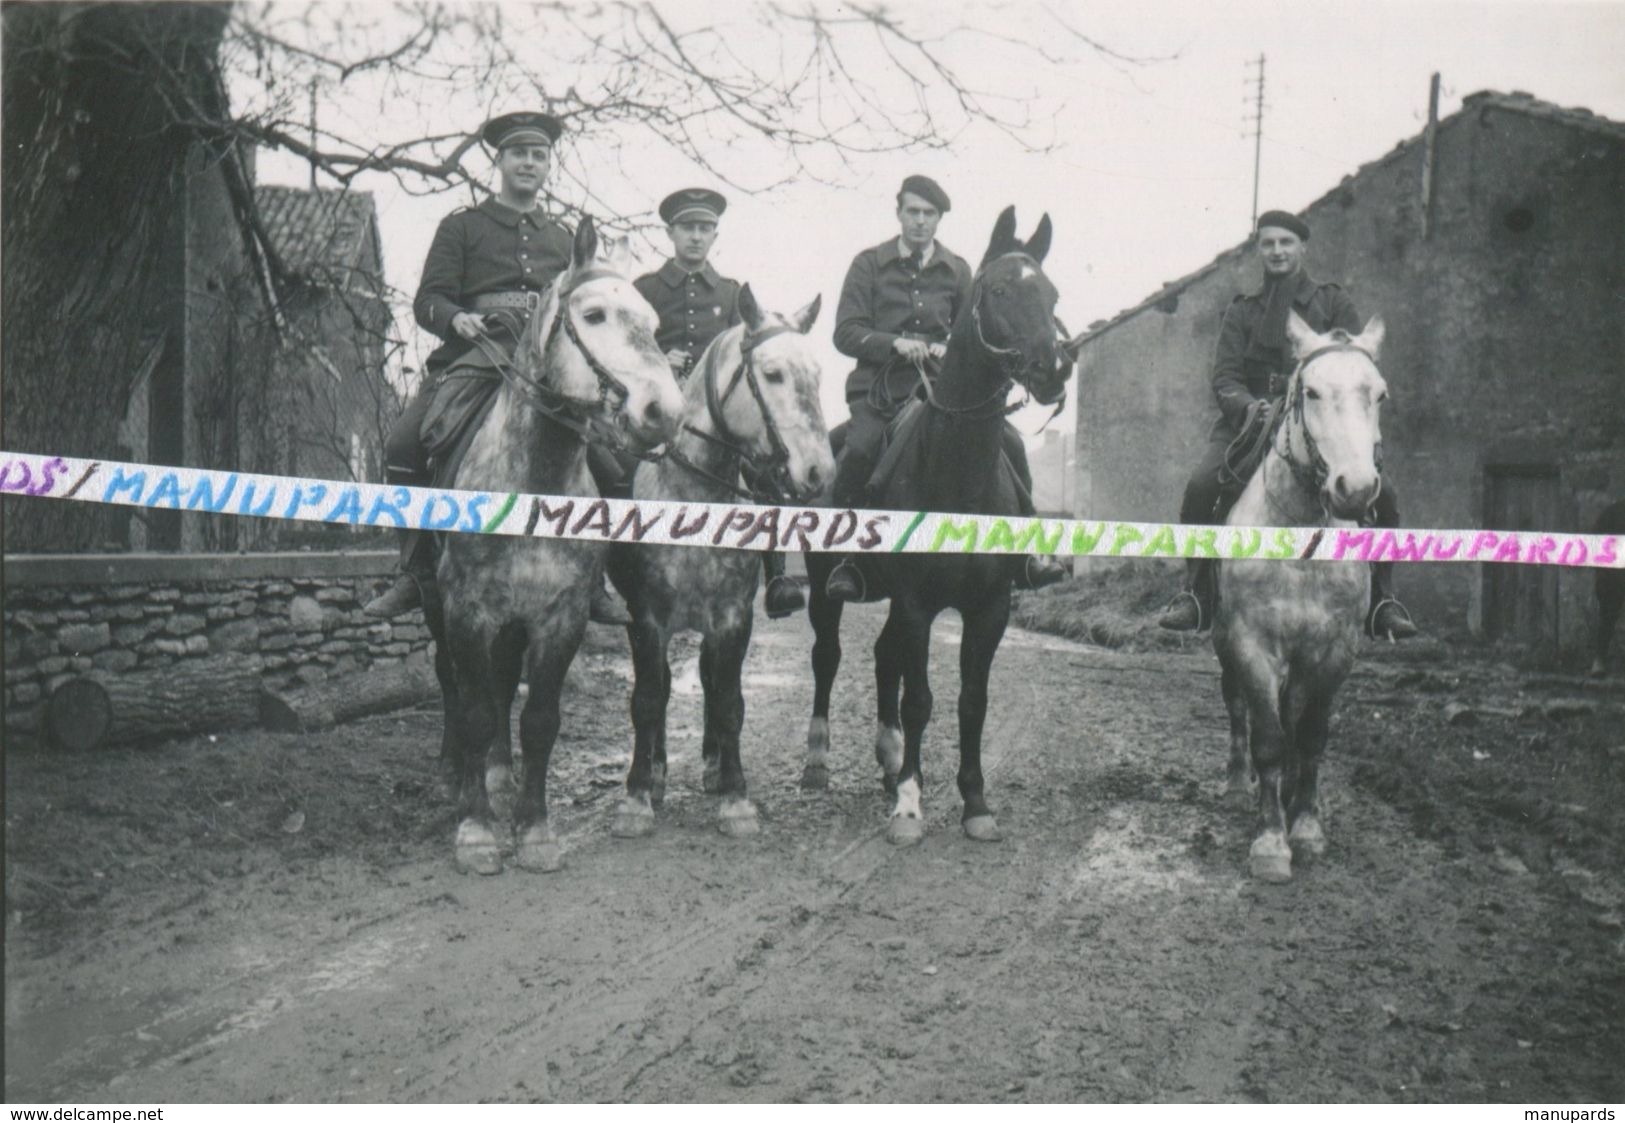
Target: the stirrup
(1202, 623)
(1405, 619)
(848, 565)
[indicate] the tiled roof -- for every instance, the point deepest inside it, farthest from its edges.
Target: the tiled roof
(1516, 102)
(321, 230)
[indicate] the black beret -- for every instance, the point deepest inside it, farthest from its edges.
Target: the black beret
(926, 188)
(1284, 221)
(692, 202)
(521, 128)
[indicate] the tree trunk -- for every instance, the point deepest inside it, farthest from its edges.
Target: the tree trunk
(193, 696)
(326, 704)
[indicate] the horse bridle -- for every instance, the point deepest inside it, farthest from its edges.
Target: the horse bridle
(1008, 358)
(774, 469)
(556, 406)
(1312, 476)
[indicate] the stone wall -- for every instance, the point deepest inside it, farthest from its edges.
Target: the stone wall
(298, 614)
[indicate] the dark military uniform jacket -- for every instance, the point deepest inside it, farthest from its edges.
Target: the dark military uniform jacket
(694, 308)
(884, 298)
(484, 249)
(1240, 374)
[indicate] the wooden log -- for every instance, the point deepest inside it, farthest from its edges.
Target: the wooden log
(192, 696)
(323, 705)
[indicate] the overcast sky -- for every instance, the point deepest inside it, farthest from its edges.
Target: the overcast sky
(1151, 174)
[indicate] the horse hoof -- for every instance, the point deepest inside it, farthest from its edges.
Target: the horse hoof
(540, 852)
(1270, 859)
(902, 831)
(1308, 837)
(815, 778)
(982, 828)
(633, 820)
(738, 820)
(477, 850)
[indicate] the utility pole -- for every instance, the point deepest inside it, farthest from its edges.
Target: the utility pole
(1257, 123)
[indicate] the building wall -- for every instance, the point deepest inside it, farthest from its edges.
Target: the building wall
(298, 614)
(1505, 352)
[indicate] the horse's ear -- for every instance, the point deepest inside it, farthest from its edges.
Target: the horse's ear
(803, 320)
(1304, 338)
(1038, 244)
(749, 310)
(1004, 235)
(585, 249)
(1370, 340)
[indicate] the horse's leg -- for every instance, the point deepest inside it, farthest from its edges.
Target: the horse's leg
(1239, 778)
(1309, 739)
(1270, 857)
(725, 709)
(825, 614)
(552, 648)
(451, 741)
(913, 649)
(889, 661)
(710, 744)
(984, 629)
(477, 847)
(507, 667)
(651, 689)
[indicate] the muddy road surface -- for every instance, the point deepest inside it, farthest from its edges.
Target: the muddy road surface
(271, 917)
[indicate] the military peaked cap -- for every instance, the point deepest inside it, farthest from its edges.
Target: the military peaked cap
(521, 128)
(691, 203)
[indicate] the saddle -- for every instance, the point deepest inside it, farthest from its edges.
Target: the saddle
(902, 455)
(462, 397)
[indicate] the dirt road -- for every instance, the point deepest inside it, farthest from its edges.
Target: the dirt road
(273, 917)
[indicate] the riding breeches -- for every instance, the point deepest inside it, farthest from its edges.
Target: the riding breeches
(866, 433)
(406, 461)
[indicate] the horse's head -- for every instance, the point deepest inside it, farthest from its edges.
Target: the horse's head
(1013, 309)
(762, 393)
(1334, 401)
(597, 344)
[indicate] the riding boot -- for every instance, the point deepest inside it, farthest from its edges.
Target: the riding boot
(1040, 570)
(783, 596)
(846, 582)
(1192, 609)
(417, 567)
(1388, 618)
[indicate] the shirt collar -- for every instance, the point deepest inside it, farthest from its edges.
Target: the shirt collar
(926, 258)
(506, 215)
(674, 274)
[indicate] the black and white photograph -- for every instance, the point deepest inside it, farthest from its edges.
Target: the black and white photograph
(812, 551)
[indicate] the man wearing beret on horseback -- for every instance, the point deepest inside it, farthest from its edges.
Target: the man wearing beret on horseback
(484, 268)
(1251, 367)
(695, 305)
(898, 306)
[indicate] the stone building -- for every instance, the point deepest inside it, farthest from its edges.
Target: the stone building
(1493, 245)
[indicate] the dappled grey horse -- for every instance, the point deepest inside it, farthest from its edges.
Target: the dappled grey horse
(586, 368)
(751, 411)
(1286, 632)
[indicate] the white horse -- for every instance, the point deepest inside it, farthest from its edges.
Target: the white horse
(1286, 632)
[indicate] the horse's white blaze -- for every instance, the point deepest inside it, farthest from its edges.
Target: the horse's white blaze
(908, 800)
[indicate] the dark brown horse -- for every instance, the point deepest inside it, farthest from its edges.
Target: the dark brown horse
(1005, 335)
(512, 605)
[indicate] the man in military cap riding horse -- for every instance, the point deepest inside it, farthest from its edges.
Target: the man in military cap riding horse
(898, 306)
(1250, 370)
(484, 268)
(695, 305)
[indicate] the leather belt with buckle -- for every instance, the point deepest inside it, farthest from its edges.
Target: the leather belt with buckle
(492, 301)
